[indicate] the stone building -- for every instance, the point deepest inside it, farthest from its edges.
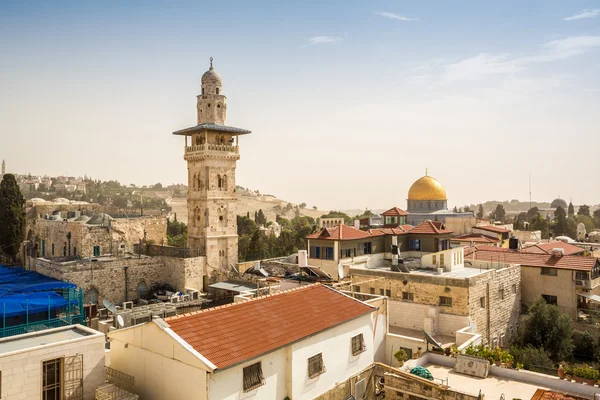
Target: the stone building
(211, 151)
(441, 287)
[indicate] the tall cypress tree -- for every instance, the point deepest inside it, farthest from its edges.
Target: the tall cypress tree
(12, 217)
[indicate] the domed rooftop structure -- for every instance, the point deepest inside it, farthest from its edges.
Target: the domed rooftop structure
(427, 188)
(82, 218)
(211, 77)
(558, 202)
(99, 219)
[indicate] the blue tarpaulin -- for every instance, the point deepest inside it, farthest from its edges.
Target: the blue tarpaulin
(24, 291)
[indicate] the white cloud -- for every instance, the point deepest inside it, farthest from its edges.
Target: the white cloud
(584, 14)
(485, 65)
(323, 39)
(397, 17)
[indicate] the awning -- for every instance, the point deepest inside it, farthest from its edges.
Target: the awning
(232, 286)
(592, 297)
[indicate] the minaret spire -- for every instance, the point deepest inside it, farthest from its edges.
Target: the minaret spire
(211, 59)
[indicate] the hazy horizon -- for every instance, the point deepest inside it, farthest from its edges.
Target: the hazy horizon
(347, 102)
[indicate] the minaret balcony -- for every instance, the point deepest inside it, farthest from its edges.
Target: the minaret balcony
(212, 147)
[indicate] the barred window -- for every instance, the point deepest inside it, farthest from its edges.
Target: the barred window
(253, 377)
(358, 344)
(407, 296)
(315, 366)
(445, 301)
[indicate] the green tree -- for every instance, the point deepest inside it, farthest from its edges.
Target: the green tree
(532, 213)
(584, 210)
(560, 222)
(500, 213)
(302, 205)
(571, 210)
(480, 212)
(467, 209)
(12, 217)
(585, 220)
(260, 218)
(314, 207)
(245, 226)
(158, 186)
(597, 218)
(545, 327)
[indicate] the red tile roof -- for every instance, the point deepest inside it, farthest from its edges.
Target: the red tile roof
(394, 211)
(430, 227)
(496, 254)
(343, 232)
(491, 228)
(542, 394)
(474, 238)
(546, 248)
(230, 334)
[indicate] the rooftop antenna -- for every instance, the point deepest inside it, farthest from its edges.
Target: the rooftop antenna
(530, 189)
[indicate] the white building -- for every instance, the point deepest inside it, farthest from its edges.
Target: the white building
(298, 344)
(52, 364)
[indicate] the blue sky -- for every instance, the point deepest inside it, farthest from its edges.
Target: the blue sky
(348, 102)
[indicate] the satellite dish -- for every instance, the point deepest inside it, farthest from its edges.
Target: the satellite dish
(340, 271)
(120, 321)
(109, 305)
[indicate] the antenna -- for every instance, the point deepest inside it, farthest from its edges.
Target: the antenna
(530, 189)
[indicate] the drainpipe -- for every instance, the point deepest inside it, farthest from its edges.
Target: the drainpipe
(488, 312)
(125, 272)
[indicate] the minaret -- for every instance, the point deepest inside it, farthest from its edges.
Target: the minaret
(211, 151)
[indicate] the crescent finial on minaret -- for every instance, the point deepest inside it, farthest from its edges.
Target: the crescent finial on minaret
(211, 59)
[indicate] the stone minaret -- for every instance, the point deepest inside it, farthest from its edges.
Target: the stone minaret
(211, 152)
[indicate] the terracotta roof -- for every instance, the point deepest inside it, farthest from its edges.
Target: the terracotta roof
(485, 253)
(429, 227)
(546, 248)
(343, 232)
(394, 211)
(542, 394)
(491, 228)
(231, 334)
(475, 238)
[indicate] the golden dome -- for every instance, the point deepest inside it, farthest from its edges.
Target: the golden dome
(427, 188)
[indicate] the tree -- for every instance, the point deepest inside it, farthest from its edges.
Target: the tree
(597, 218)
(467, 209)
(302, 205)
(314, 207)
(260, 218)
(455, 210)
(547, 328)
(560, 222)
(480, 211)
(500, 213)
(571, 210)
(584, 210)
(158, 186)
(532, 213)
(12, 215)
(245, 226)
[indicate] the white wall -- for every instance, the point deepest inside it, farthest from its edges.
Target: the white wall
(453, 259)
(22, 370)
(449, 324)
(407, 315)
(228, 384)
(336, 346)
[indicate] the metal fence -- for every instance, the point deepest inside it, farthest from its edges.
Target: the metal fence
(154, 250)
(72, 313)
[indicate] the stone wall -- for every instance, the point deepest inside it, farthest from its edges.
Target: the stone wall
(401, 385)
(109, 277)
(499, 317)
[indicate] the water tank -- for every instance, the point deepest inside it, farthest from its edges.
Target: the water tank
(302, 258)
(513, 243)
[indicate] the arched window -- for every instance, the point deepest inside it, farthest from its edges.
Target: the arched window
(194, 182)
(217, 90)
(218, 105)
(208, 105)
(198, 140)
(219, 182)
(202, 90)
(199, 182)
(222, 139)
(142, 289)
(91, 296)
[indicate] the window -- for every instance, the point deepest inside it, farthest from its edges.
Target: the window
(407, 296)
(381, 292)
(367, 248)
(445, 301)
(388, 293)
(329, 253)
(372, 290)
(514, 288)
(217, 90)
(346, 253)
(434, 259)
(315, 366)
(358, 344)
(315, 252)
(52, 248)
(502, 294)
(482, 302)
(442, 260)
(408, 352)
(549, 271)
(142, 289)
(253, 377)
(52, 379)
(91, 296)
(391, 220)
(96, 251)
(582, 276)
(356, 288)
(414, 244)
(550, 299)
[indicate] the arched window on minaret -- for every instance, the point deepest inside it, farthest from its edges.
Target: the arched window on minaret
(222, 140)
(199, 182)
(225, 182)
(198, 140)
(218, 90)
(194, 183)
(219, 182)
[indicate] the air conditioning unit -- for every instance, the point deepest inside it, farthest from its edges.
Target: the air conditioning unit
(193, 293)
(128, 305)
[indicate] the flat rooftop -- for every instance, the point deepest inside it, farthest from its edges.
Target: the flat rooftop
(418, 334)
(466, 272)
(53, 336)
(492, 387)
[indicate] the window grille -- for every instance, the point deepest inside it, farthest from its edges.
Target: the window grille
(445, 301)
(253, 377)
(358, 344)
(550, 299)
(407, 296)
(52, 379)
(549, 271)
(315, 366)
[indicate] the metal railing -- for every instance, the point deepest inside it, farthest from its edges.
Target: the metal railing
(120, 379)
(154, 250)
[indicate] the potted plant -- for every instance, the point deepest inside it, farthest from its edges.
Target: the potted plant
(591, 376)
(453, 351)
(519, 366)
(578, 374)
(401, 357)
(508, 359)
(569, 373)
(437, 350)
(497, 356)
(561, 370)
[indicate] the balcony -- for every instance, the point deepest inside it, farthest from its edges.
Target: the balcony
(212, 147)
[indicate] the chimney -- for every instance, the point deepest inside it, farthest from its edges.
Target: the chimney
(356, 224)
